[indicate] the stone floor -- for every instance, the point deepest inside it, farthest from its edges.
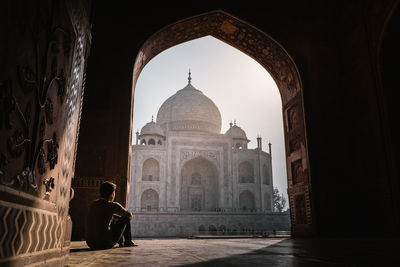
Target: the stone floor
(242, 252)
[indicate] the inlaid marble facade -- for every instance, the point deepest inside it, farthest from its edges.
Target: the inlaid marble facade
(176, 170)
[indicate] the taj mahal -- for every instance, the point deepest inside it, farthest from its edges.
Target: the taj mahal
(188, 178)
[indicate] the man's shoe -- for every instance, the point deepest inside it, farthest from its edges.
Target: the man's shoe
(130, 244)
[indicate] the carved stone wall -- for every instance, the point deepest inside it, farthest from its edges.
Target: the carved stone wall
(273, 57)
(41, 88)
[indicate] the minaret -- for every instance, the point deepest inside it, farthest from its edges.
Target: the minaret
(137, 137)
(259, 144)
(269, 145)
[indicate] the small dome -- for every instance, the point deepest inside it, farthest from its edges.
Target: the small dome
(152, 128)
(236, 132)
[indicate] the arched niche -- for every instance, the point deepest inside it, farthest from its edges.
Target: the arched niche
(199, 185)
(246, 172)
(152, 141)
(149, 200)
(275, 59)
(151, 170)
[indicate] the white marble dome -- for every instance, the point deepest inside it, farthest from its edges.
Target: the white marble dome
(189, 110)
(236, 132)
(152, 128)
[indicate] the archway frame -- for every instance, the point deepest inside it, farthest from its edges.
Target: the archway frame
(282, 68)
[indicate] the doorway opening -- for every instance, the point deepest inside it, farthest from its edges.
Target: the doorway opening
(269, 54)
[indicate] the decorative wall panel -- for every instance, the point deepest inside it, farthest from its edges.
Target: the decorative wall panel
(41, 89)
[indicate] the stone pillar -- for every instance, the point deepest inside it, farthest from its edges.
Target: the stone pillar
(41, 91)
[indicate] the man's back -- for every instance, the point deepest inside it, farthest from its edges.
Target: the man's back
(99, 217)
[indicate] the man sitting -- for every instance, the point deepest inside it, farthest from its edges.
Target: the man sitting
(107, 221)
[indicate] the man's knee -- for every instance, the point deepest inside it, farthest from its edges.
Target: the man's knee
(124, 219)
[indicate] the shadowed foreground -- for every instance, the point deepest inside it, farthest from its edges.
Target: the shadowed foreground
(242, 252)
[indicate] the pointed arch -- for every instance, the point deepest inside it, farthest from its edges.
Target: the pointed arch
(199, 185)
(246, 172)
(151, 170)
(152, 141)
(149, 200)
(273, 57)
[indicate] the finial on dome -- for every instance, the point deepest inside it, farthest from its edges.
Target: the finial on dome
(189, 78)
(235, 122)
(230, 124)
(152, 118)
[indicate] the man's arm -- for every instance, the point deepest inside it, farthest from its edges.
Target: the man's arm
(121, 211)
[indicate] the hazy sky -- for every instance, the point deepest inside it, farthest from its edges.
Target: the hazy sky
(240, 87)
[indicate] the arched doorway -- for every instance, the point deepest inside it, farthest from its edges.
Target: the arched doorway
(199, 185)
(276, 60)
(149, 200)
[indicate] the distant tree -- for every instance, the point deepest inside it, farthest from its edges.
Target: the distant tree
(279, 201)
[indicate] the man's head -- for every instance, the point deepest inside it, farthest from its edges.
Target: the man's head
(107, 190)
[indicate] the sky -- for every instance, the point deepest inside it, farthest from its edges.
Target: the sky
(240, 87)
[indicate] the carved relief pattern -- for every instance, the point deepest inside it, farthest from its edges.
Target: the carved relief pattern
(49, 183)
(72, 111)
(293, 118)
(297, 172)
(31, 230)
(29, 132)
(295, 144)
(39, 108)
(52, 148)
(235, 32)
(190, 154)
(42, 161)
(91, 182)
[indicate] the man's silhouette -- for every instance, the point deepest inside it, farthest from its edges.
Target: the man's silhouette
(107, 221)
